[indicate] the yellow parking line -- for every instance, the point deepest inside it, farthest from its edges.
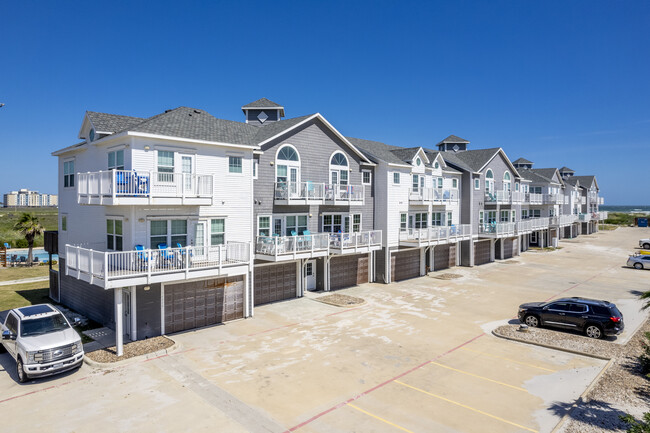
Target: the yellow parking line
(379, 418)
(479, 377)
(466, 407)
(508, 359)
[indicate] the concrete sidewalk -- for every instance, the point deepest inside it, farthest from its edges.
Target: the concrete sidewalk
(24, 281)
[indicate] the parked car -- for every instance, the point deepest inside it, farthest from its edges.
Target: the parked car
(639, 261)
(41, 341)
(644, 243)
(594, 318)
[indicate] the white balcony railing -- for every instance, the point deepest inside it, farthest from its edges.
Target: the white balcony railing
(312, 192)
(562, 220)
(601, 200)
(498, 229)
(433, 195)
(108, 187)
(436, 234)
(553, 198)
(123, 268)
(533, 198)
(504, 196)
(584, 217)
(292, 246)
(364, 241)
(602, 215)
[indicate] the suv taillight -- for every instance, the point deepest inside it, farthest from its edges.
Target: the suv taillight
(615, 319)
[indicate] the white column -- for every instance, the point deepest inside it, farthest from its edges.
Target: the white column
(119, 318)
(387, 270)
(134, 315)
(471, 252)
(492, 249)
(431, 261)
(423, 264)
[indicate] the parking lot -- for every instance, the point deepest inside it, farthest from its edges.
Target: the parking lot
(417, 356)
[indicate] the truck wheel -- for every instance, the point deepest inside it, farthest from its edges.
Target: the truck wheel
(646, 246)
(22, 376)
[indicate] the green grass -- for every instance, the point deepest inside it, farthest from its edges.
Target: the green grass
(22, 295)
(621, 218)
(47, 216)
(21, 272)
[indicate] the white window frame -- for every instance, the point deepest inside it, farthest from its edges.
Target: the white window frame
(210, 233)
(69, 176)
(439, 217)
(64, 222)
(113, 244)
(450, 217)
(285, 225)
(339, 170)
(481, 217)
(169, 234)
(115, 165)
(256, 167)
(231, 166)
(270, 227)
(396, 178)
(477, 183)
(440, 183)
(454, 183)
(363, 173)
(403, 221)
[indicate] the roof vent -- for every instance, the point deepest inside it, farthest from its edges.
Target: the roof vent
(167, 111)
(197, 111)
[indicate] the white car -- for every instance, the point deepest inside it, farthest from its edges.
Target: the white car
(644, 243)
(41, 341)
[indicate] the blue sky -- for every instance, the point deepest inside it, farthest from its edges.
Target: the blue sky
(559, 83)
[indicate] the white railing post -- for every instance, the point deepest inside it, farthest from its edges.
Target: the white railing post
(187, 261)
(150, 185)
(113, 181)
(221, 247)
(147, 254)
(106, 270)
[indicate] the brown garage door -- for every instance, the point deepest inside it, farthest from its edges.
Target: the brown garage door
(405, 264)
(444, 256)
(347, 271)
(275, 283)
(507, 248)
(201, 303)
(481, 252)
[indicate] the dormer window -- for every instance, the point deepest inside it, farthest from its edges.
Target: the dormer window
(91, 135)
(436, 165)
(418, 161)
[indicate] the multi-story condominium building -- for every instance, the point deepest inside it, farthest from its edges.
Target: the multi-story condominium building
(182, 220)
(26, 198)
(587, 200)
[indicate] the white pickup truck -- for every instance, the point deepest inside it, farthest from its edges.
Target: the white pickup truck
(41, 341)
(644, 243)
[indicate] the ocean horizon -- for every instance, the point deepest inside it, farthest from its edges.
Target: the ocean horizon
(626, 208)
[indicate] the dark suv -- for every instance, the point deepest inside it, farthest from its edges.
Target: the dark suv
(595, 318)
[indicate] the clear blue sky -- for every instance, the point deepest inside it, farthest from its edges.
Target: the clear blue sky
(559, 83)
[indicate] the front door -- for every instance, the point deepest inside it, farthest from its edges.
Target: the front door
(126, 307)
(187, 167)
(199, 241)
(310, 275)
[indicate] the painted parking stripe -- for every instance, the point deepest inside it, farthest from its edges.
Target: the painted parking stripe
(379, 418)
(478, 377)
(508, 359)
(466, 407)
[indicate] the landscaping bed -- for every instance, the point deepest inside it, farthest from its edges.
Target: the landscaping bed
(447, 276)
(131, 350)
(340, 300)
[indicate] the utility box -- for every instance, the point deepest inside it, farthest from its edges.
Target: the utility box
(642, 222)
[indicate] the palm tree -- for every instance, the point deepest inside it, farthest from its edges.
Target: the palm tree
(29, 227)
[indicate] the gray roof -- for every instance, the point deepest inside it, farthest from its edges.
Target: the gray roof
(264, 103)
(585, 181)
(473, 160)
(406, 154)
(566, 170)
(538, 175)
(270, 129)
(571, 181)
(522, 161)
(548, 173)
(377, 151)
(454, 139)
(104, 122)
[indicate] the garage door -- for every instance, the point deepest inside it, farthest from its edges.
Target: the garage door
(444, 256)
(405, 264)
(481, 252)
(347, 271)
(202, 303)
(274, 283)
(507, 248)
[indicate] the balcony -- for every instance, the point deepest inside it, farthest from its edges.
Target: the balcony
(432, 196)
(562, 220)
(584, 217)
(436, 235)
(583, 200)
(283, 248)
(129, 268)
(503, 197)
(497, 230)
(553, 199)
(303, 193)
(355, 243)
(532, 198)
(601, 201)
(124, 187)
(602, 215)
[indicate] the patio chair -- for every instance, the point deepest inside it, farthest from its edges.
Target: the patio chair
(122, 182)
(182, 250)
(142, 183)
(7, 246)
(165, 252)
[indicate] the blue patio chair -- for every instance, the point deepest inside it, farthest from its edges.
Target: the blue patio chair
(183, 251)
(165, 252)
(122, 181)
(7, 246)
(294, 233)
(142, 183)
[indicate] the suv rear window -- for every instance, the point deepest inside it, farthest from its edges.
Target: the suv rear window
(606, 311)
(614, 312)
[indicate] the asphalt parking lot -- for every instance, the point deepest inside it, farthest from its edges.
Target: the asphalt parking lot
(417, 357)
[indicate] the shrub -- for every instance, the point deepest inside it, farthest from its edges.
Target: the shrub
(644, 359)
(635, 426)
(21, 243)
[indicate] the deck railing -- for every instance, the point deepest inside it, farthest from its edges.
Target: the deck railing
(534, 198)
(553, 198)
(132, 183)
(497, 228)
(584, 217)
(433, 194)
(436, 233)
(355, 241)
(602, 215)
(116, 265)
(562, 220)
(290, 245)
(313, 191)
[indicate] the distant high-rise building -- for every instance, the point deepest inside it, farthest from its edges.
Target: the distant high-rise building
(27, 198)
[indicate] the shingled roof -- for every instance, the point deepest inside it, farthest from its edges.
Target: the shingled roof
(538, 175)
(111, 123)
(586, 181)
(406, 154)
(376, 151)
(522, 161)
(263, 103)
(453, 139)
(566, 170)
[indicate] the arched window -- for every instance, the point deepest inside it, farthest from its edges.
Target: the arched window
(339, 169)
(506, 181)
(489, 175)
(287, 166)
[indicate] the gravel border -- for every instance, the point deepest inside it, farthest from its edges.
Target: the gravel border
(339, 300)
(135, 350)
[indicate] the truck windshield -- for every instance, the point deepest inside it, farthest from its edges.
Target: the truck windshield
(43, 325)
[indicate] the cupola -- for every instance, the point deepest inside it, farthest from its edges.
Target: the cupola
(262, 111)
(452, 144)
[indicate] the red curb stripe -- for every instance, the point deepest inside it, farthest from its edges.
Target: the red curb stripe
(43, 389)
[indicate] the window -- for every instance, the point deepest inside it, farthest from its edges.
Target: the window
(255, 164)
(91, 135)
(436, 218)
(477, 183)
(68, 174)
(535, 213)
(504, 216)
(234, 164)
(454, 183)
(339, 169)
(491, 217)
(439, 182)
(416, 182)
(489, 181)
(517, 186)
(402, 222)
(524, 214)
(480, 218)
(396, 178)
(559, 306)
(288, 153)
(158, 231)
(295, 224)
(535, 189)
(506, 181)
(356, 222)
(513, 215)
(418, 161)
(179, 233)
(169, 232)
(114, 234)
(578, 308)
(449, 218)
(116, 160)
(420, 221)
(165, 166)
(64, 223)
(12, 324)
(436, 165)
(217, 231)
(366, 177)
(264, 226)
(333, 223)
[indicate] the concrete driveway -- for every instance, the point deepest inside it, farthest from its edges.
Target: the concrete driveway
(417, 356)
